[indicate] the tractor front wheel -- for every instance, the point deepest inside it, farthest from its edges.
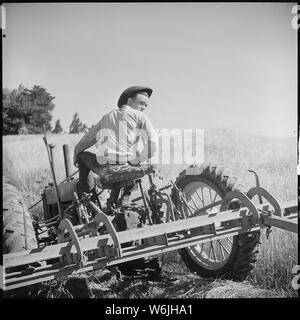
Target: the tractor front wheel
(18, 232)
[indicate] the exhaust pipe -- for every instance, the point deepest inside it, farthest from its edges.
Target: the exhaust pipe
(67, 161)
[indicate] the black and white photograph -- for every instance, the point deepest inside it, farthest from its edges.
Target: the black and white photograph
(150, 153)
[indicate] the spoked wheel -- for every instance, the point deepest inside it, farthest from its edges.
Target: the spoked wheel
(212, 255)
(231, 257)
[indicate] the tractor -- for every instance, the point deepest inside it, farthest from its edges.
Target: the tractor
(208, 216)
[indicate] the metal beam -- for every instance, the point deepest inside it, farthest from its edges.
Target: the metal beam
(282, 223)
(103, 251)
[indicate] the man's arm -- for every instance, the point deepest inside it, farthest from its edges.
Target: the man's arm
(88, 140)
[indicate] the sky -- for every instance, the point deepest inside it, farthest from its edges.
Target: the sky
(210, 65)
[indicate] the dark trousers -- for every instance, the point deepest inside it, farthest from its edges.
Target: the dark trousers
(87, 162)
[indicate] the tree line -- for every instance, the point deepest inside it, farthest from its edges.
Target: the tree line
(27, 111)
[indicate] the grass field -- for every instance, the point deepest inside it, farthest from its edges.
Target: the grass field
(25, 164)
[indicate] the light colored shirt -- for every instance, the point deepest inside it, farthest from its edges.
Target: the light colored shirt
(121, 135)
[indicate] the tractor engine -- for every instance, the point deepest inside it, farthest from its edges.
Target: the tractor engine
(66, 193)
(124, 218)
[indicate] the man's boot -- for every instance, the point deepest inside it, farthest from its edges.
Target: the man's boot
(112, 200)
(125, 199)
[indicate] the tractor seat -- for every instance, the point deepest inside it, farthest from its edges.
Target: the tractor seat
(124, 174)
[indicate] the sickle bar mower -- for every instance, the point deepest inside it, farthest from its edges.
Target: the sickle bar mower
(209, 217)
(81, 254)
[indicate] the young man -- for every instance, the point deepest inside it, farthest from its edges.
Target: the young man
(116, 137)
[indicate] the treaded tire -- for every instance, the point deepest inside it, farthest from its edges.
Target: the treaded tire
(245, 247)
(13, 222)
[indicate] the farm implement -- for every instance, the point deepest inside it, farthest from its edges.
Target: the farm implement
(208, 216)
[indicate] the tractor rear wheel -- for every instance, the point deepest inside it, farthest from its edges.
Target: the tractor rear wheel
(18, 232)
(232, 257)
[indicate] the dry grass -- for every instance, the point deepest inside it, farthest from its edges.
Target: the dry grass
(25, 164)
(178, 283)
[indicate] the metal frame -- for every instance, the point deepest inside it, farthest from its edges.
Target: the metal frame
(81, 248)
(101, 251)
